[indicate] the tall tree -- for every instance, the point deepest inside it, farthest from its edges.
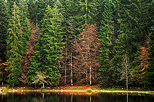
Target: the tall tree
(69, 10)
(25, 23)
(3, 30)
(139, 72)
(106, 37)
(126, 41)
(36, 10)
(150, 71)
(14, 46)
(29, 53)
(86, 60)
(49, 46)
(3, 37)
(33, 11)
(87, 13)
(23, 6)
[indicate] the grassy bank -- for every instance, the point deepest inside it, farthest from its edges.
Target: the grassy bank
(78, 89)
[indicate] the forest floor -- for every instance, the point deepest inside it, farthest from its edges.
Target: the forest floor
(78, 90)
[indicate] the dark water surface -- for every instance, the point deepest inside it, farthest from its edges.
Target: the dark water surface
(55, 97)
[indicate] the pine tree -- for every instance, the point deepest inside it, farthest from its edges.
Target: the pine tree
(49, 46)
(14, 46)
(106, 35)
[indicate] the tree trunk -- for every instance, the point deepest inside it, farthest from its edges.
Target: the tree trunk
(43, 85)
(65, 60)
(86, 12)
(126, 66)
(71, 71)
(90, 75)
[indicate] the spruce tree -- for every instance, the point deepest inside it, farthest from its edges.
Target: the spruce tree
(33, 11)
(105, 36)
(3, 30)
(49, 47)
(126, 41)
(85, 12)
(3, 37)
(14, 47)
(25, 23)
(70, 10)
(150, 69)
(23, 6)
(36, 10)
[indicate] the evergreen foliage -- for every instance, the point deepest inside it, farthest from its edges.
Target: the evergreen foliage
(3, 30)
(106, 37)
(49, 46)
(14, 46)
(66, 53)
(150, 69)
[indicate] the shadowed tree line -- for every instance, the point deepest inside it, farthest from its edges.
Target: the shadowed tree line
(76, 42)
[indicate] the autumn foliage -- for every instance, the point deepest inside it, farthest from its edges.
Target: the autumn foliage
(85, 62)
(139, 73)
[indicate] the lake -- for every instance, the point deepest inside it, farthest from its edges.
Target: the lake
(59, 97)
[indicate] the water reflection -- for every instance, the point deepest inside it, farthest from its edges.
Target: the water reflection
(127, 97)
(58, 97)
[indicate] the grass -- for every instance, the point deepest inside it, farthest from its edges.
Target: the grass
(76, 89)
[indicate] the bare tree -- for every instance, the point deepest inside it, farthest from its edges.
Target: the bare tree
(86, 61)
(125, 69)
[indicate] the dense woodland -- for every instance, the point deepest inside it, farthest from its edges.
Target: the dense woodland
(76, 42)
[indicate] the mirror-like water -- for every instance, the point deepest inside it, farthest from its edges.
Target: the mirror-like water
(56, 97)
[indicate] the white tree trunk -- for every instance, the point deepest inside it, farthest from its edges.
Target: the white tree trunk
(43, 85)
(90, 75)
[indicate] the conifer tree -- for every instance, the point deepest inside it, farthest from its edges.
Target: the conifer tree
(69, 8)
(106, 35)
(25, 23)
(150, 69)
(139, 71)
(36, 10)
(3, 30)
(126, 43)
(87, 13)
(49, 47)
(33, 11)
(23, 6)
(3, 37)
(14, 46)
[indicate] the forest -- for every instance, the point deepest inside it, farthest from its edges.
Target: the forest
(109, 43)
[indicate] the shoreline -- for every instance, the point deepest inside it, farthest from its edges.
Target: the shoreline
(87, 91)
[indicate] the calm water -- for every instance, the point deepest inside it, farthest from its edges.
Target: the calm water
(55, 97)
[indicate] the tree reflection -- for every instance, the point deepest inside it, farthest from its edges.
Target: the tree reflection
(59, 97)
